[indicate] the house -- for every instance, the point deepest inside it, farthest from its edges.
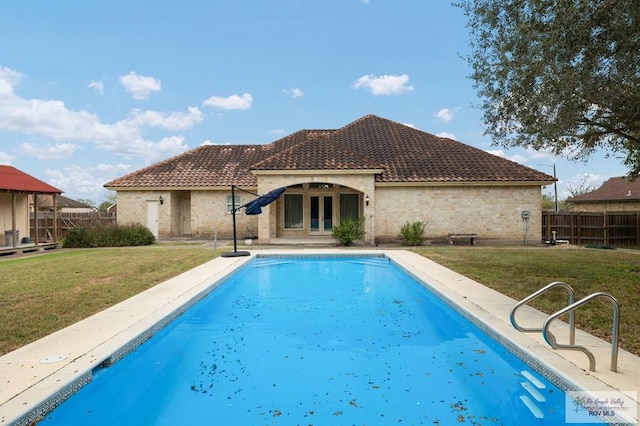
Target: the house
(15, 189)
(63, 204)
(384, 171)
(618, 194)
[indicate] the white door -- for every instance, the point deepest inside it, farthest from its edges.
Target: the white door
(152, 217)
(185, 213)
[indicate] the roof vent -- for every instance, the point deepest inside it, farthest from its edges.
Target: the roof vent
(629, 193)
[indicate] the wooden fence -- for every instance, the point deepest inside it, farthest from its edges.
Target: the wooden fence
(48, 231)
(581, 228)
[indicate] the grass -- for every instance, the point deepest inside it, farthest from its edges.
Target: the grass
(518, 272)
(42, 294)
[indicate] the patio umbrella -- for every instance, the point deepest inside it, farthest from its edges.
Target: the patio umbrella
(255, 206)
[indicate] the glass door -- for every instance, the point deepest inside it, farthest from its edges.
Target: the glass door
(321, 214)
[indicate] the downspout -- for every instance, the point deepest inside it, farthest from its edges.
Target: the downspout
(55, 219)
(13, 220)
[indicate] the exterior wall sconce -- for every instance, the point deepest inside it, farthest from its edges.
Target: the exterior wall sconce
(161, 200)
(366, 200)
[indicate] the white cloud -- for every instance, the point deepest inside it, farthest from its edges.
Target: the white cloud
(584, 181)
(52, 119)
(294, 93)
(5, 158)
(385, 84)
(447, 135)
(445, 114)
(140, 86)
(84, 182)
(518, 158)
(8, 80)
(231, 102)
(172, 121)
(97, 85)
(153, 151)
(49, 151)
(208, 142)
(113, 168)
(278, 132)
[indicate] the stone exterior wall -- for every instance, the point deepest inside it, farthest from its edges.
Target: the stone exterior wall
(619, 206)
(492, 212)
(269, 223)
(207, 212)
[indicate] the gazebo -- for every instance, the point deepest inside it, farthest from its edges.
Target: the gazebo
(15, 188)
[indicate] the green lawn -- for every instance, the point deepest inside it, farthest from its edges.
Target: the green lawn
(40, 294)
(518, 272)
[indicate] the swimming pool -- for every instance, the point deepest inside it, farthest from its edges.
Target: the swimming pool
(317, 340)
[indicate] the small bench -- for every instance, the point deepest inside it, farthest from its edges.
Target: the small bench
(470, 237)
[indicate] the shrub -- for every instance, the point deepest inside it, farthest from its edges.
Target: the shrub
(413, 233)
(109, 236)
(348, 230)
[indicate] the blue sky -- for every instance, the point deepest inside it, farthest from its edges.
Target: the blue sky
(92, 90)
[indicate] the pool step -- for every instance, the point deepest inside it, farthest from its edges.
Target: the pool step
(532, 386)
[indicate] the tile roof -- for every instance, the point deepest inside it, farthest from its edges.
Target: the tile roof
(46, 201)
(403, 153)
(14, 180)
(615, 189)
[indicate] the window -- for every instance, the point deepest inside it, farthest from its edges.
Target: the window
(349, 206)
(292, 211)
(238, 203)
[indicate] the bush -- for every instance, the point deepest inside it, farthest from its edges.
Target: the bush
(413, 233)
(348, 230)
(108, 236)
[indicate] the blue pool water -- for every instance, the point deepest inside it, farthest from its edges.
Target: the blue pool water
(317, 341)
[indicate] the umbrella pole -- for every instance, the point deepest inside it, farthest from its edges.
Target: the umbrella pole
(235, 252)
(233, 213)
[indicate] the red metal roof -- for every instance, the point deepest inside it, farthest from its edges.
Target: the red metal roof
(13, 180)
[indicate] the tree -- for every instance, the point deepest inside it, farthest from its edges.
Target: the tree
(110, 200)
(560, 75)
(582, 187)
(86, 201)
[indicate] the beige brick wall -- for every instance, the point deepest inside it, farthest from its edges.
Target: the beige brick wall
(207, 212)
(605, 207)
(490, 212)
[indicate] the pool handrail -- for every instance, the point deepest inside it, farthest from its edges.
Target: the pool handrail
(570, 309)
(572, 326)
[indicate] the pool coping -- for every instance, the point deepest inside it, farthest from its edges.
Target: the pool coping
(39, 376)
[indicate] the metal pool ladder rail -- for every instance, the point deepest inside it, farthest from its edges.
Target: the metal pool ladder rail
(551, 340)
(572, 326)
(614, 332)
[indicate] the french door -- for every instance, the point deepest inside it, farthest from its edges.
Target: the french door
(321, 214)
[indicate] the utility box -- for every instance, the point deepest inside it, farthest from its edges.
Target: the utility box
(8, 237)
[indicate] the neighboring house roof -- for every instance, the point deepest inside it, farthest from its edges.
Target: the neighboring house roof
(398, 152)
(14, 180)
(46, 201)
(616, 189)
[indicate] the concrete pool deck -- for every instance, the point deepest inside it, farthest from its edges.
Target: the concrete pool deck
(32, 377)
